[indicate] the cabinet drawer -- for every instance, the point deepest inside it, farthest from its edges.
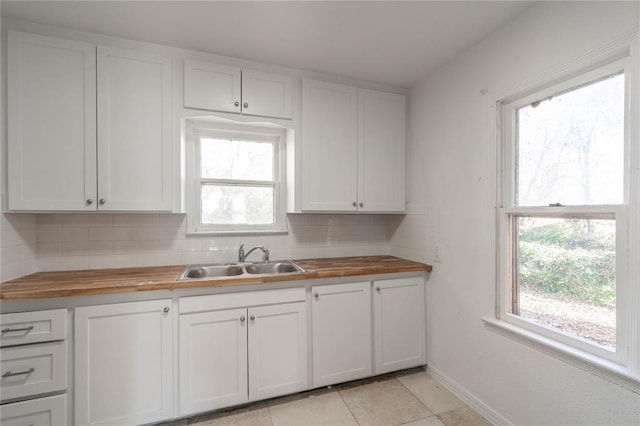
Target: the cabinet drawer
(33, 327)
(216, 302)
(51, 411)
(32, 370)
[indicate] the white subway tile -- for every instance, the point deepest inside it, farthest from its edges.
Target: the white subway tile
(16, 254)
(49, 249)
(12, 271)
(223, 243)
(200, 257)
(49, 219)
(299, 219)
(159, 259)
(325, 220)
(135, 247)
(87, 248)
(309, 253)
(63, 263)
(46, 235)
(171, 233)
(146, 233)
(173, 220)
(10, 238)
(87, 219)
(136, 219)
(17, 221)
(112, 261)
(111, 234)
(179, 246)
(75, 234)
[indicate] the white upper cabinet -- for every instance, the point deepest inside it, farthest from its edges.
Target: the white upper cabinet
(60, 157)
(51, 123)
(134, 141)
(329, 146)
(381, 151)
(266, 94)
(211, 86)
(353, 149)
(224, 88)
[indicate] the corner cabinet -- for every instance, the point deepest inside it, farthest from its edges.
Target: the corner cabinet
(88, 126)
(226, 88)
(124, 363)
(353, 149)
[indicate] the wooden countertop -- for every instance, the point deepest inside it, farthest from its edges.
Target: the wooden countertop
(124, 280)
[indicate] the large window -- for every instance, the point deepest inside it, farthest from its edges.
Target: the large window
(564, 213)
(236, 175)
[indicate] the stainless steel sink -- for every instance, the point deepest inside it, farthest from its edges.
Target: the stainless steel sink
(282, 267)
(193, 272)
(210, 271)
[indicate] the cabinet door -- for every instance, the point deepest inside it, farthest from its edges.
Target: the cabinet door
(341, 323)
(329, 147)
(381, 151)
(51, 411)
(211, 86)
(213, 360)
(277, 350)
(266, 94)
(134, 130)
(399, 324)
(123, 363)
(51, 123)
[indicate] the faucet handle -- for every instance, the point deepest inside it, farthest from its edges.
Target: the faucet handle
(241, 253)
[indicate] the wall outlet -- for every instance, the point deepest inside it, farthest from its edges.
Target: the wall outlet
(436, 254)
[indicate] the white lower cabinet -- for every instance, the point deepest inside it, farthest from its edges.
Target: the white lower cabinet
(399, 324)
(123, 363)
(213, 360)
(232, 356)
(341, 324)
(51, 411)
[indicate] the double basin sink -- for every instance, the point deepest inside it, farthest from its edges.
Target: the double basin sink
(235, 269)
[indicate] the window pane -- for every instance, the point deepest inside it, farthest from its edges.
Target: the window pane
(566, 275)
(246, 205)
(570, 147)
(236, 159)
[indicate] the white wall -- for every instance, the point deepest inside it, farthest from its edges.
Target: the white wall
(53, 242)
(452, 187)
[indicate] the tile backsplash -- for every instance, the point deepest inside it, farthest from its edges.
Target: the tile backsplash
(70, 241)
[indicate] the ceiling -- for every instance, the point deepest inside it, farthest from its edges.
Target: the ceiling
(389, 42)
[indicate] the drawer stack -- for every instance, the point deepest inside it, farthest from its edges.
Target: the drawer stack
(33, 368)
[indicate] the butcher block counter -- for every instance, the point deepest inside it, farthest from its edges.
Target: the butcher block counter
(125, 280)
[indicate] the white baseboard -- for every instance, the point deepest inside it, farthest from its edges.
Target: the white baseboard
(468, 398)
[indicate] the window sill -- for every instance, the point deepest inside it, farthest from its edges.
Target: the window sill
(239, 232)
(605, 369)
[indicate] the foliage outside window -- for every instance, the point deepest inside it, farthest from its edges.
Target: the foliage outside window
(564, 211)
(236, 174)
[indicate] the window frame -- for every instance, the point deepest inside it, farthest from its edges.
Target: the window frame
(195, 131)
(508, 212)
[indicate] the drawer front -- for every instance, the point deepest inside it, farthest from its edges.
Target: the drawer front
(216, 302)
(33, 327)
(32, 370)
(51, 411)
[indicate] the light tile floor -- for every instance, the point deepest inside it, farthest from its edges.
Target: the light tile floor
(408, 398)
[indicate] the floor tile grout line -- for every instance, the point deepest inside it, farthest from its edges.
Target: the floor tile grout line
(395, 376)
(347, 405)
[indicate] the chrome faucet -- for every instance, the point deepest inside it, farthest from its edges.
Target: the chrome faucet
(242, 256)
